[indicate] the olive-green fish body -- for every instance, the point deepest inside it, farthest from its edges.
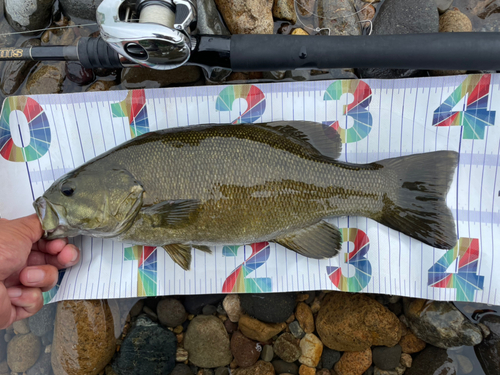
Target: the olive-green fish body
(234, 184)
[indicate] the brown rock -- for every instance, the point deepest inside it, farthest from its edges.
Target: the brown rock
(285, 10)
(411, 344)
(230, 326)
(257, 330)
(244, 350)
(305, 317)
(102, 85)
(354, 363)
(366, 14)
(84, 337)
(306, 370)
(406, 360)
(260, 368)
(299, 31)
(323, 371)
(46, 79)
(247, 16)
(355, 322)
(454, 21)
(287, 348)
(312, 348)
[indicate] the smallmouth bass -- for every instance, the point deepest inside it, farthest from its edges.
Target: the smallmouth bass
(207, 185)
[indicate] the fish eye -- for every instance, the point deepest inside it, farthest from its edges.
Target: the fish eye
(67, 190)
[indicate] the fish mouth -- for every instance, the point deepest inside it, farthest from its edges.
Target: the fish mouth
(54, 224)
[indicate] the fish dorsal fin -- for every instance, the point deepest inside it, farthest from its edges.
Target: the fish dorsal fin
(180, 254)
(172, 213)
(319, 241)
(324, 139)
(203, 248)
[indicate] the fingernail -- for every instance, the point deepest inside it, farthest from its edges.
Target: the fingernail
(14, 292)
(35, 276)
(75, 250)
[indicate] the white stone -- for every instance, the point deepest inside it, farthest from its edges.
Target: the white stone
(232, 307)
(312, 348)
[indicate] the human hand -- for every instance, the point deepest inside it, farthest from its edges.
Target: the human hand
(28, 267)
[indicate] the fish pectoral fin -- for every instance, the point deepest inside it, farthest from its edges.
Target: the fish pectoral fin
(172, 213)
(203, 248)
(180, 254)
(318, 241)
(323, 138)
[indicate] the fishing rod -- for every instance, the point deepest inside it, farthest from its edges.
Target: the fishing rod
(161, 34)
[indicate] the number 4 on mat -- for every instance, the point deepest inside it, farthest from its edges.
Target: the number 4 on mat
(475, 117)
(465, 280)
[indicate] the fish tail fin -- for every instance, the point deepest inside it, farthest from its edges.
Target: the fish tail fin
(419, 208)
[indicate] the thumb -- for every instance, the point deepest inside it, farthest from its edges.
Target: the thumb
(29, 226)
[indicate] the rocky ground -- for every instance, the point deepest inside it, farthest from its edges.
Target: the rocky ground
(318, 332)
(323, 333)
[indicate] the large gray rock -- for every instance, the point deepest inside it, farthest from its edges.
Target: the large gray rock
(441, 324)
(403, 17)
(207, 342)
(433, 361)
(28, 15)
(84, 9)
(268, 307)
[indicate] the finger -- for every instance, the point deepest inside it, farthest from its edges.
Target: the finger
(43, 277)
(50, 247)
(69, 256)
(28, 303)
(29, 226)
(7, 311)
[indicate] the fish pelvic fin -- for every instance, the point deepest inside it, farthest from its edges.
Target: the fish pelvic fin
(180, 254)
(419, 208)
(319, 241)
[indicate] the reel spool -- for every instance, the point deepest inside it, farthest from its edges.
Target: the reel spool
(160, 40)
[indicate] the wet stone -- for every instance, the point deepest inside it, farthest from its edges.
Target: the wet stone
(23, 352)
(14, 72)
(78, 74)
(28, 15)
(181, 369)
(441, 324)
(354, 362)
(244, 350)
(42, 322)
(267, 353)
(411, 344)
(222, 371)
(207, 342)
(282, 367)
(339, 16)
(148, 349)
(171, 312)
(433, 361)
(287, 348)
(42, 367)
(330, 357)
(488, 350)
(21, 327)
(209, 310)
(296, 330)
(232, 307)
(269, 307)
(386, 358)
(46, 79)
(194, 303)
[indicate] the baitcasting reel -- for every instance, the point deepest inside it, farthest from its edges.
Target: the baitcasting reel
(152, 33)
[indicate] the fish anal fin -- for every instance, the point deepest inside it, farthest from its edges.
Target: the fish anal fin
(319, 241)
(324, 139)
(180, 254)
(203, 248)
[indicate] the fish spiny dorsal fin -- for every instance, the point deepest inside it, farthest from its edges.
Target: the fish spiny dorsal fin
(324, 139)
(180, 254)
(319, 241)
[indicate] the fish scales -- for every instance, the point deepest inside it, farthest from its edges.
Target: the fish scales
(253, 185)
